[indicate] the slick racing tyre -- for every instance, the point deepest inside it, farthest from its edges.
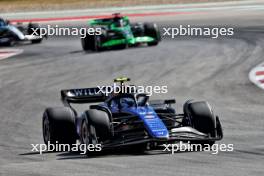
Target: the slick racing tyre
(88, 137)
(58, 125)
(202, 118)
(34, 28)
(151, 30)
(91, 42)
(95, 128)
(101, 122)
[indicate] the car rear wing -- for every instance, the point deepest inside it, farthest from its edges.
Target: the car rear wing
(82, 95)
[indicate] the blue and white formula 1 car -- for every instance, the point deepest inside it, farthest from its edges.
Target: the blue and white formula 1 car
(128, 120)
(12, 34)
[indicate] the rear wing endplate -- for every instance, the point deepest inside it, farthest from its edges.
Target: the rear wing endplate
(82, 95)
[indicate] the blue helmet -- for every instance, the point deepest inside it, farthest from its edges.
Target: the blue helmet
(2, 22)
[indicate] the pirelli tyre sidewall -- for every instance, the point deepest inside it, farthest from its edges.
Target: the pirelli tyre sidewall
(87, 42)
(151, 30)
(91, 42)
(100, 120)
(58, 126)
(202, 117)
(34, 27)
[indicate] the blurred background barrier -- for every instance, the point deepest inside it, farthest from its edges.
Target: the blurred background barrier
(36, 5)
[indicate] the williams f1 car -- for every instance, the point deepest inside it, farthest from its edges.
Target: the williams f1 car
(12, 34)
(118, 32)
(128, 120)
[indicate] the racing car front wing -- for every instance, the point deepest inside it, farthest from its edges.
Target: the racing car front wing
(183, 134)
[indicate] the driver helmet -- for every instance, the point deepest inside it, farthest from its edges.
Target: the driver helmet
(2, 22)
(118, 21)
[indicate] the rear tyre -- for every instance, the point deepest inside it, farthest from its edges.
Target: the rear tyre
(91, 43)
(151, 30)
(58, 126)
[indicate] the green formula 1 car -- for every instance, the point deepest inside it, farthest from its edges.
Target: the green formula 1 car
(118, 32)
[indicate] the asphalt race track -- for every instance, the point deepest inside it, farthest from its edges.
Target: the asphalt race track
(193, 68)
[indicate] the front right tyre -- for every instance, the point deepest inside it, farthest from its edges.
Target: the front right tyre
(32, 27)
(151, 30)
(95, 129)
(203, 119)
(88, 137)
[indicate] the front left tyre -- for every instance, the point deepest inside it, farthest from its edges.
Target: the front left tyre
(95, 128)
(91, 42)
